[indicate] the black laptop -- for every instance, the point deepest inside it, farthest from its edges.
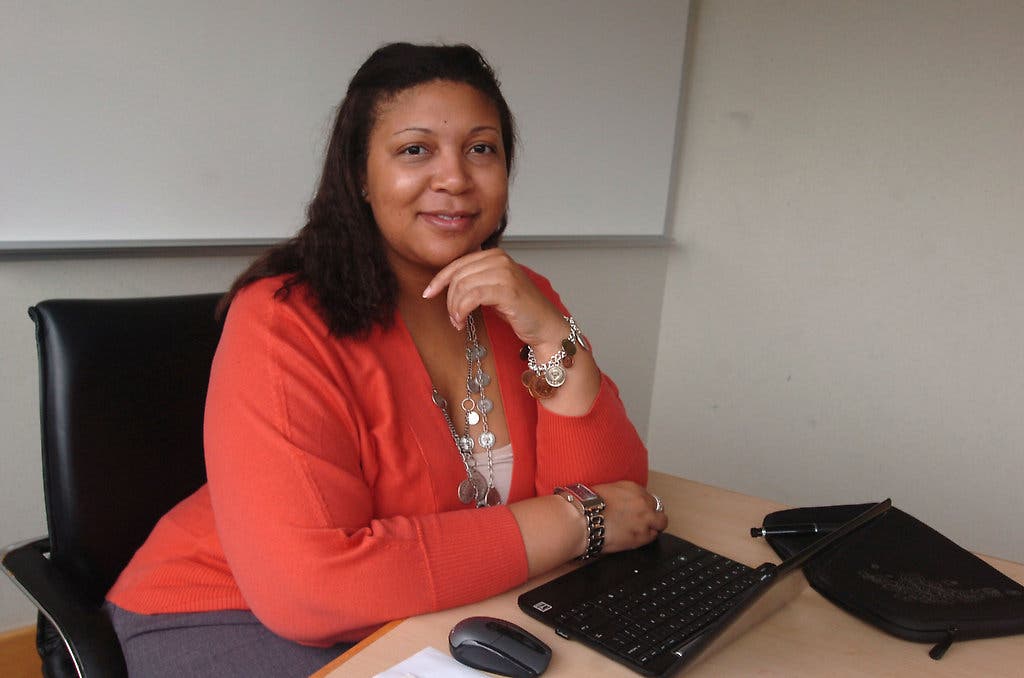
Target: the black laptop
(669, 604)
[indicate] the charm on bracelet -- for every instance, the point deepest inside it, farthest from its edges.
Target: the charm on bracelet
(542, 380)
(555, 376)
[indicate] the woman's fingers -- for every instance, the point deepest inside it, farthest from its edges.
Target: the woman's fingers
(491, 281)
(492, 278)
(631, 518)
(444, 276)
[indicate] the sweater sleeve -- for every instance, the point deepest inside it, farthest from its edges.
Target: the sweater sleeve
(600, 446)
(294, 512)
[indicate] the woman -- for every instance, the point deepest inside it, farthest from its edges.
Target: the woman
(394, 407)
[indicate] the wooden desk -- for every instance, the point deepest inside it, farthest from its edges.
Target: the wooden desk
(810, 637)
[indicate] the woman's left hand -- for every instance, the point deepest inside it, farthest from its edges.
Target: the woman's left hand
(492, 278)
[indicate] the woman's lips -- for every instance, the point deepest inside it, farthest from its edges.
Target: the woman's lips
(453, 221)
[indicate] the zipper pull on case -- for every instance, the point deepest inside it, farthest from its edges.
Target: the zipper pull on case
(940, 649)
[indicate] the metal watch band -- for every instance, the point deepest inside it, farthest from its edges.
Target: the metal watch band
(591, 507)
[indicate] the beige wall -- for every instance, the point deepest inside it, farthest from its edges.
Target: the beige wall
(843, 319)
(631, 280)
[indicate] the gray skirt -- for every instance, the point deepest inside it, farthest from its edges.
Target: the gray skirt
(225, 643)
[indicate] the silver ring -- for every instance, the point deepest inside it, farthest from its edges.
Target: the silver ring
(659, 506)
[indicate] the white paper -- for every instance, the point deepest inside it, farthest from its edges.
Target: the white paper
(430, 663)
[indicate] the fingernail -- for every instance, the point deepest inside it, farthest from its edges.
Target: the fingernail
(455, 321)
(427, 290)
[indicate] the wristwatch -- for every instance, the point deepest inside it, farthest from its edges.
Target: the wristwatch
(591, 507)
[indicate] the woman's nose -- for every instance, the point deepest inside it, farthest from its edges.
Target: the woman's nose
(451, 174)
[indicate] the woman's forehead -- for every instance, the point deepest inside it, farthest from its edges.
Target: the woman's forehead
(437, 103)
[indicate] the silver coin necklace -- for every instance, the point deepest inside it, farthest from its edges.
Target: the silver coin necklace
(475, 408)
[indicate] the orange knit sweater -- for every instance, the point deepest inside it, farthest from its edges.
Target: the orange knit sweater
(331, 505)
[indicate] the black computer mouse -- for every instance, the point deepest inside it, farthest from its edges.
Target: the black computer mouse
(498, 646)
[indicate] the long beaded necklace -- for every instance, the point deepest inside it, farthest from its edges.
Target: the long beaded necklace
(475, 488)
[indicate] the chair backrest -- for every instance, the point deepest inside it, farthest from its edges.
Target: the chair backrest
(122, 391)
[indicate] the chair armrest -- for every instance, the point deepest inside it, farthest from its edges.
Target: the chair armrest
(85, 629)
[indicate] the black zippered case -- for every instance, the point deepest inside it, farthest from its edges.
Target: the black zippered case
(903, 577)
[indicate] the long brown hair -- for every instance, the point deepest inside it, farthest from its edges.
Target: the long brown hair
(340, 253)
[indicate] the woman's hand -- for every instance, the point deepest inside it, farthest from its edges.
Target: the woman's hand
(554, 532)
(491, 278)
(629, 516)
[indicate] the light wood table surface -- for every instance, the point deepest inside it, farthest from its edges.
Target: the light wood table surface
(809, 637)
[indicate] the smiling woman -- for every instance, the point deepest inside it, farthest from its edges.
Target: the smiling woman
(394, 407)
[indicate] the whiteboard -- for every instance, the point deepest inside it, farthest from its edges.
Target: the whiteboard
(137, 121)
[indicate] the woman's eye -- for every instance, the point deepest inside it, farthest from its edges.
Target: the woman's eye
(414, 149)
(482, 148)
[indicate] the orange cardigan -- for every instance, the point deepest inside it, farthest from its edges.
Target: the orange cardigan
(331, 506)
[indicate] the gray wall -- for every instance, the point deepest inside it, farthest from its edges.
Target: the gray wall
(194, 119)
(843, 317)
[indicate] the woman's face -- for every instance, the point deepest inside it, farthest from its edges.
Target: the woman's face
(435, 175)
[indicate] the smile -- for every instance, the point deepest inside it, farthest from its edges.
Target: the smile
(448, 220)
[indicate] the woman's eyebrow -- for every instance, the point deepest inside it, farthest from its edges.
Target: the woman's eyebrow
(413, 129)
(427, 130)
(485, 128)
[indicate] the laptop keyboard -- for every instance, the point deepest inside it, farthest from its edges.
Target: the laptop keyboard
(657, 611)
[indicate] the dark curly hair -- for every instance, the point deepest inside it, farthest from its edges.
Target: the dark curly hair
(340, 252)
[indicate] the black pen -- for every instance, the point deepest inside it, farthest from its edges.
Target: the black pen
(793, 529)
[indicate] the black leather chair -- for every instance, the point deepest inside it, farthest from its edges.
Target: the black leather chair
(122, 391)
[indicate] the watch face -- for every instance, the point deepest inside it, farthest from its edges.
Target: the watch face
(584, 492)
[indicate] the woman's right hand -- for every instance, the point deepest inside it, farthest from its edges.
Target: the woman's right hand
(554, 532)
(629, 516)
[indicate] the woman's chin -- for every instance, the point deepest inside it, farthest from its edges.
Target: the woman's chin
(444, 255)
(429, 261)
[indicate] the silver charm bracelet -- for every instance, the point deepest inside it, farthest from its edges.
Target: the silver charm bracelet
(541, 380)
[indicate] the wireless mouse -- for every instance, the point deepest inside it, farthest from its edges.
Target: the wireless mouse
(498, 646)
